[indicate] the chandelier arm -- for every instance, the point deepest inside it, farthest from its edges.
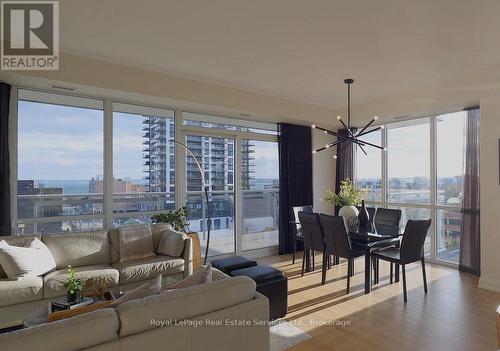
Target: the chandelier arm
(369, 131)
(348, 129)
(346, 145)
(328, 131)
(368, 125)
(367, 143)
(362, 149)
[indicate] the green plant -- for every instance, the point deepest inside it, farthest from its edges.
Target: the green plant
(74, 284)
(349, 195)
(177, 219)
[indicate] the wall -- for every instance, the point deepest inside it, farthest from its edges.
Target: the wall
(323, 171)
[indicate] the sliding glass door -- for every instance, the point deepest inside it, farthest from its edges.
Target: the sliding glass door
(260, 189)
(217, 159)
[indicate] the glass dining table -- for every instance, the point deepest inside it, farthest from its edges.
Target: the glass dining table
(379, 237)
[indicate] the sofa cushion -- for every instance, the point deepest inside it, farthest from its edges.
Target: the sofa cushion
(24, 289)
(171, 243)
(148, 268)
(136, 241)
(16, 240)
(75, 333)
(54, 281)
(78, 249)
(32, 260)
(150, 288)
(156, 230)
(136, 315)
(202, 276)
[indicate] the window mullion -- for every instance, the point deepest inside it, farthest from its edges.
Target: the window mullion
(13, 135)
(433, 193)
(108, 163)
(238, 196)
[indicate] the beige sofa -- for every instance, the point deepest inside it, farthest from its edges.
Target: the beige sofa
(227, 314)
(92, 254)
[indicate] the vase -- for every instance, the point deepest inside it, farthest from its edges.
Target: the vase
(364, 219)
(73, 297)
(348, 212)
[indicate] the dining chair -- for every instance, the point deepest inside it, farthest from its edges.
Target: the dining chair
(338, 243)
(386, 220)
(313, 236)
(298, 237)
(411, 249)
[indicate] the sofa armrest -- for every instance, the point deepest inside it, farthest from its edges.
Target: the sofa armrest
(187, 255)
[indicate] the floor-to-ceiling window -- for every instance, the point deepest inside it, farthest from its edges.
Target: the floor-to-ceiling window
(143, 163)
(421, 174)
(89, 163)
(260, 189)
(60, 150)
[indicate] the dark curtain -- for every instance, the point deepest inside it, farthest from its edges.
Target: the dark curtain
(5, 226)
(296, 187)
(345, 161)
(470, 250)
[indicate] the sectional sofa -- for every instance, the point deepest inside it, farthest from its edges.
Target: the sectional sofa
(226, 314)
(92, 254)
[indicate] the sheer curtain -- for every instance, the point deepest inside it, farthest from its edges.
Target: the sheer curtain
(470, 250)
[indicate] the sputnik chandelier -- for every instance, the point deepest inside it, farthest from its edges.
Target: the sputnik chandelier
(352, 137)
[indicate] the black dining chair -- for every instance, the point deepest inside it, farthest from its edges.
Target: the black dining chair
(298, 237)
(411, 250)
(386, 221)
(338, 243)
(313, 236)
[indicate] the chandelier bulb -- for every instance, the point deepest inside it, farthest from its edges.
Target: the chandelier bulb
(335, 156)
(314, 151)
(339, 118)
(382, 127)
(327, 146)
(375, 118)
(326, 132)
(313, 126)
(385, 149)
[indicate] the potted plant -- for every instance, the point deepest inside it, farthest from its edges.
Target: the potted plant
(74, 286)
(348, 198)
(177, 219)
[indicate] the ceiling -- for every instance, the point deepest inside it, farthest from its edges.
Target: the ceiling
(297, 49)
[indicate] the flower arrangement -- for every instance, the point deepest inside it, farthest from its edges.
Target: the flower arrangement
(74, 285)
(349, 195)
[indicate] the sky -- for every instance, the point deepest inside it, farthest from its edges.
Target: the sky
(66, 143)
(408, 153)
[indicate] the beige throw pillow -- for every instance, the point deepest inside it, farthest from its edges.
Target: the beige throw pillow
(203, 276)
(31, 261)
(171, 243)
(151, 288)
(136, 241)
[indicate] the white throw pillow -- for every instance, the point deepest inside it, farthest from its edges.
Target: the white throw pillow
(31, 261)
(151, 288)
(171, 243)
(136, 241)
(203, 276)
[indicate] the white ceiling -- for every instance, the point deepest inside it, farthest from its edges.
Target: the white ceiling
(298, 49)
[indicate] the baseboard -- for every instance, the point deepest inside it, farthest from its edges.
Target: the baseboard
(489, 284)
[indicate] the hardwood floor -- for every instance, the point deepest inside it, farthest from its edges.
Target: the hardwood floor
(454, 315)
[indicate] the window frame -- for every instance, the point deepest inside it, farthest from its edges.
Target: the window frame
(108, 104)
(433, 205)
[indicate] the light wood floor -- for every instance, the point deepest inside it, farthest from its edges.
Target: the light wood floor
(454, 315)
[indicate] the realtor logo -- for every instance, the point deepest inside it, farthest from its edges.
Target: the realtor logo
(30, 35)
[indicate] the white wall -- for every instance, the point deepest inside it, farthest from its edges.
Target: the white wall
(323, 171)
